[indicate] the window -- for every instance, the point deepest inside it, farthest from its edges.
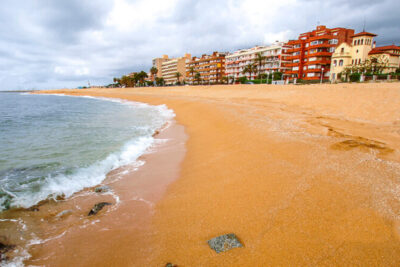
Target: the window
(331, 49)
(334, 63)
(362, 41)
(341, 62)
(333, 41)
(295, 68)
(335, 33)
(342, 51)
(296, 61)
(355, 42)
(359, 61)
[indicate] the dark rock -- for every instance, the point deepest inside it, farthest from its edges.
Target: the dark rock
(4, 248)
(97, 207)
(170, 265)
(224, 243)
(102, 189)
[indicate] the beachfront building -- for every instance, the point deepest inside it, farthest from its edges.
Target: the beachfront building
(389, 55)
(355, 53)
(210, 69)
(310, 57)
(157, 63)
(171, 67)
(363, 48)
(275, 60)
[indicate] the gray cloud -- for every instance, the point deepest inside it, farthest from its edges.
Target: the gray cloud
(53, 44)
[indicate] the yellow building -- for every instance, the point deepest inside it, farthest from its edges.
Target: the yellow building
(171, 67)
(389, 54)
(361, 49)
(346, 55)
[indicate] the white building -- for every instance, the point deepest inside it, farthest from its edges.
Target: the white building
(275, 60)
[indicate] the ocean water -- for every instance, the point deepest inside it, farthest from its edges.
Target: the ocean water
(53, 146)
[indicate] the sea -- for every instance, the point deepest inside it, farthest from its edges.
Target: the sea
(53, 146)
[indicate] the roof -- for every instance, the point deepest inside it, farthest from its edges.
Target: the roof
(384, 50)
(388, 47)
(364, 33)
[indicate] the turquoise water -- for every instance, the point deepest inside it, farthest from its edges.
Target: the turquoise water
(54, 146)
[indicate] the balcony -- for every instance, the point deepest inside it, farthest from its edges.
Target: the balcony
(316, 70)
(326, 54)
(293, 57)
(320, 62)
(322, 37)
(324, 45)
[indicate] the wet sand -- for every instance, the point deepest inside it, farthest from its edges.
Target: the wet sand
(303, 175)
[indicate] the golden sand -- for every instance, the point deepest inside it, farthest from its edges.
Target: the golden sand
(303, 175)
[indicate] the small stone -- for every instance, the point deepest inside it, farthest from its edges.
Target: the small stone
(97, 207)
(170, 265)
(4, 248)
(224, 243)
(102, 189)
(64, 213)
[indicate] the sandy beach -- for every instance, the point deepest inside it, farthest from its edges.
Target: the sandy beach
(303, 175)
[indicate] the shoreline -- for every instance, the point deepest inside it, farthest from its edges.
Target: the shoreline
(302, 175)
(44, 229)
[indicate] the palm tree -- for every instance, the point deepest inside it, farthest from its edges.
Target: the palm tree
(141, 76)
(191, 71)
(154, 72)
(197, 77)
(259, 60)
(250, 68)
(178, 75)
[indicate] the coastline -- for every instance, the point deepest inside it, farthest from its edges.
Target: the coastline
(302, 175)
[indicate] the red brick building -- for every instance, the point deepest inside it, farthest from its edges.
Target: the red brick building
(312, 51)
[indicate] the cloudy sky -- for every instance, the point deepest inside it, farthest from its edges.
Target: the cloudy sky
(65, 43)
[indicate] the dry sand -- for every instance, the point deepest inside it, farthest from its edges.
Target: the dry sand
(303, 175)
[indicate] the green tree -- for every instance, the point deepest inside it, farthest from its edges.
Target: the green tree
(197, 77)
(259, 61)
(154, 72)
(250, 69)
(178, 75)
(192, 71)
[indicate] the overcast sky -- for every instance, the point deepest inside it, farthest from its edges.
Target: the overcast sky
(48, 44)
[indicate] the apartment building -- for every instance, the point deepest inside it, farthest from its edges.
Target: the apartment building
(210, 67)
(312, 52)
(171, 67)
(157, 62)
(275, 60)
(361, 48)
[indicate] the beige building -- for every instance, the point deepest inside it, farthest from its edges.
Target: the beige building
(157, 62)
(171, 67)
(389, 54)
(346, 55)
(362, 48)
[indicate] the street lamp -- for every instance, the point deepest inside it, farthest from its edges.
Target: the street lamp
(322, 73)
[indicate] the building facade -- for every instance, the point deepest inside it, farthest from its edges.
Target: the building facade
(210, 67)
(310, 56)
(389, 55)
(361, 49)
(171, 67)
(157, 62)
(275, 60)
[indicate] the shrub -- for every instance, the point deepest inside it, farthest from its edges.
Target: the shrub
(242, 79)
(355, 77)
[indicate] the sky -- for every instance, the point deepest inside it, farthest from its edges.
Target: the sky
(48, 44)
